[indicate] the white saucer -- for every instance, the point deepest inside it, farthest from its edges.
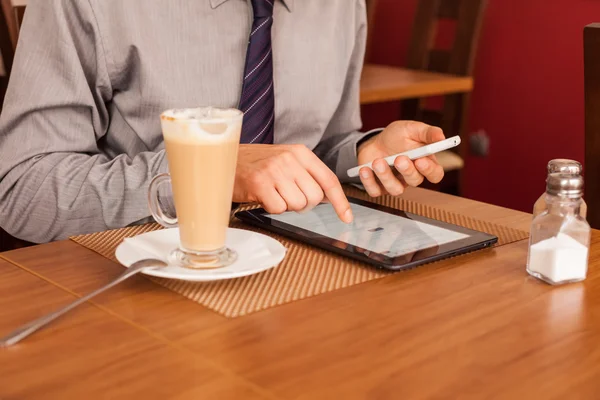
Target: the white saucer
(158, 244)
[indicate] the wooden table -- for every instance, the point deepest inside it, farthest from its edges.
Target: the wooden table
(474, 326)
(95, 352)
(381, 83)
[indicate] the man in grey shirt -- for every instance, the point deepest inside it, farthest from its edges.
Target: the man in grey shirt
(80, 135)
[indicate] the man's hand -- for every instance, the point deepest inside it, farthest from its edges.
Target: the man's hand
(399, 137)
(287, 178)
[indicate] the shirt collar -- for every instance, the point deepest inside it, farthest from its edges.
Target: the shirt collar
(289, 4)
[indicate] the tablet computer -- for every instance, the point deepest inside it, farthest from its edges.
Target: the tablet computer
(381, 236)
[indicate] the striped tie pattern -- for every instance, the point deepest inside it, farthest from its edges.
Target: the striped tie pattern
(258, 97)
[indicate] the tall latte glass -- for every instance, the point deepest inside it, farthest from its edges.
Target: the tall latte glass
(202, 148)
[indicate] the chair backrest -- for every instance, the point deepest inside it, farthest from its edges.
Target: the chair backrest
(464, 19)
(11, 16)
(19, 11)
(371, 12)
(591, 39)
(14, 11)
(7, 52)
(465, 16)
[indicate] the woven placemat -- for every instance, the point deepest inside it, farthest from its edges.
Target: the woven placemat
(304, 272)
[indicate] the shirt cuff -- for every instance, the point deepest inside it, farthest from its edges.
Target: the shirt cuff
(348, 156)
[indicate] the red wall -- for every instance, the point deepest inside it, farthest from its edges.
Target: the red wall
(528, 92)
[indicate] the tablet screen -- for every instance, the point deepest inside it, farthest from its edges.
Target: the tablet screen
(381, 236)
(373, 230)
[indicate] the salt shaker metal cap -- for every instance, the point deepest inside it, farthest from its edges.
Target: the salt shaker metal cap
(564, 165)
(565, 185)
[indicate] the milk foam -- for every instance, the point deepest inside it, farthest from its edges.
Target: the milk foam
(203, 125)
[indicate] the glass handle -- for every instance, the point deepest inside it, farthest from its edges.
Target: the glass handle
(154, 204)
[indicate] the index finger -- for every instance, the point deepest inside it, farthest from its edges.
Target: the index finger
(330, 184)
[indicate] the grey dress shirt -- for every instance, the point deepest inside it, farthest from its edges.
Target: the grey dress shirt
(80, 135)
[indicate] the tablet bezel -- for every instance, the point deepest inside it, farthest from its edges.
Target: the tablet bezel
(476, 240)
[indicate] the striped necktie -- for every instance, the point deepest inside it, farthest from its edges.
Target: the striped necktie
(258, 97)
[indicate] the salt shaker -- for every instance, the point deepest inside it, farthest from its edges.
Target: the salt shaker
(560, 236)
(561, 165)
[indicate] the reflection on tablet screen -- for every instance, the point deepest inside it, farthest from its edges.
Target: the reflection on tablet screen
(372, 230)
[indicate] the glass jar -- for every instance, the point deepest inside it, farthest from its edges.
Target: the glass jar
(560, 165)
(560, 236)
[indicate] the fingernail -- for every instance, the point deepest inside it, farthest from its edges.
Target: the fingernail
(364, 173)
(379, 167)
(348, 217)
(403, 164)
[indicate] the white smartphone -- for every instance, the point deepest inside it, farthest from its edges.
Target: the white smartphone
(413, 154)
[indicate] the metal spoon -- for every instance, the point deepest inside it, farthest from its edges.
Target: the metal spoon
(29, 328)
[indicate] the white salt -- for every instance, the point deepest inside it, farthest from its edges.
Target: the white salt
(559, 259)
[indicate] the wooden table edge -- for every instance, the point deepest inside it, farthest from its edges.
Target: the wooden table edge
(393, 94)
(158, 337)
(453, 84)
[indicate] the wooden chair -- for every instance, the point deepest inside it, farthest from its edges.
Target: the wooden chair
(19, 11)
(592, 122)
(433, 72)
(7, 52)
(14, 10)
(11, 15)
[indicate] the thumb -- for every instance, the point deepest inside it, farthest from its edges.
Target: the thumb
(430, 134)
